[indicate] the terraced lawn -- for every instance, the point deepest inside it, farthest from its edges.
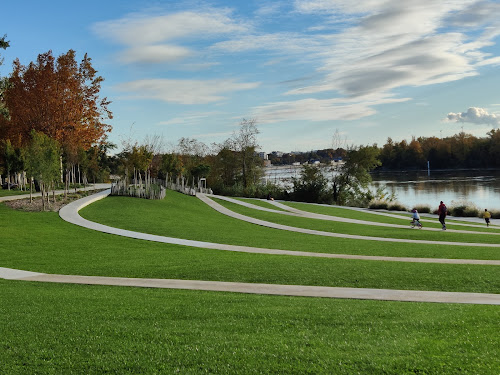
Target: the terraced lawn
(58, 328)
(360, 229)
(187, 217)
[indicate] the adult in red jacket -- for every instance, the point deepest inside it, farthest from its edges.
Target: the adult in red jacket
(442, 210)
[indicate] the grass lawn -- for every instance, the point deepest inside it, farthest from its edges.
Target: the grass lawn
(54, 246)
(200, 222)
(9, 193)
(261, 203)
(62, 329)
(404, 220)
(360, 229)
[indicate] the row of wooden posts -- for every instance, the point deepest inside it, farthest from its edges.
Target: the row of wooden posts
(153, 188)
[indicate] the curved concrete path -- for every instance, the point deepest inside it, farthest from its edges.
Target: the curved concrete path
(290, 211)
(57, 192)
(70, 214)
(290, 290)
(255, 288)
(218, 207)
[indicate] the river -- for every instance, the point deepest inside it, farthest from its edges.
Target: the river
(480, 187)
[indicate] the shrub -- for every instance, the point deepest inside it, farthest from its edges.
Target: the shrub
(495, 214)
(396, 206)
(378, 205)
(423, 209)
(464, 209)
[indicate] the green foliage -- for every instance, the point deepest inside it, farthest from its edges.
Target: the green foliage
(378, 205)
(397, 206)
(463, 209)
(172, 165)
(350, 185)
(458, 151)
(41, 158)
(423, 209)
(311, 186)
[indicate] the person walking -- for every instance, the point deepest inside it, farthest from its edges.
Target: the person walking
(487, 217)
(442, 210)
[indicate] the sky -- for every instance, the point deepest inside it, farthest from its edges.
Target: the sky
(312, 73)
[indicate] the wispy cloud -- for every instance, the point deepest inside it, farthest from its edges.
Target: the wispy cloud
(474, 115)
(190, 118)
(184, 91)
(155, 38)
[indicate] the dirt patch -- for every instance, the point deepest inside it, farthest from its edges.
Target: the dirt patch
(36, 205)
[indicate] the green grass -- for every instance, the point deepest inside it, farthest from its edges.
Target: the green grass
(367, 216)
(54, 246)
(9, 193)
(200, 222)
(360, 229)
(62, 329)
(260, 203)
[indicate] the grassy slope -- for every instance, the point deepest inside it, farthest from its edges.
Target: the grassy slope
(202, 223)
(50, 328)
(54, 246)
(404, 220)
(360, 229)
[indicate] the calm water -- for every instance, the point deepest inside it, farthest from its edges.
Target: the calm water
(479, 187)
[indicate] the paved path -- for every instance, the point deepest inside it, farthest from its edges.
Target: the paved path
(70, 213)
(269, 224)
(255, 288)
(290, 211)
(58, 192)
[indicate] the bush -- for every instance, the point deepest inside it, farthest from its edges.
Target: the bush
(495, 214)
(423, 209)
(396, 206)
(378, 205)
(464, 209)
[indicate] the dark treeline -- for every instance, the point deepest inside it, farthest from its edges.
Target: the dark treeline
(459, 151)
(323, 156)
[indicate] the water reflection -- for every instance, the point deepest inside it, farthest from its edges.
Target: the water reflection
(481, 187)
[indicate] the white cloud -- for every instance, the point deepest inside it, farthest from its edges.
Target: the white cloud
(146, 29)
(320, 109)
(150, 37)
(184, 91)
(474, 115)
(190, 118)
(155, 54)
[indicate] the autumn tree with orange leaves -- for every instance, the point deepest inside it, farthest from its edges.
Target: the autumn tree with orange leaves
(59, 98)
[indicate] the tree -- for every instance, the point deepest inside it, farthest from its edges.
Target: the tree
(245, 142)
(311, 186)
(350, 185)
(59, 98)
(41, 159)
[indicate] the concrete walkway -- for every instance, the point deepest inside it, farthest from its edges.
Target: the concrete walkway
(58, 192)
(255, 288)
(216, 206)
(290, 211)
(70, 213)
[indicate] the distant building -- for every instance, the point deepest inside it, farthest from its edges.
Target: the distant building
(277, 154)
(263, 155)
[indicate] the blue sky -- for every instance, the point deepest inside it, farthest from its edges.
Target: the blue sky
(303, 69)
